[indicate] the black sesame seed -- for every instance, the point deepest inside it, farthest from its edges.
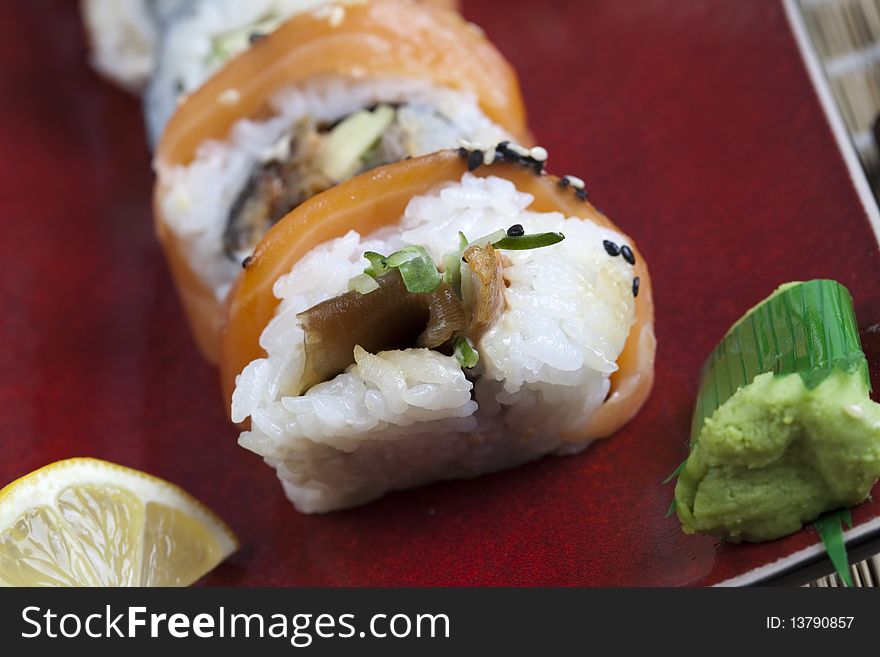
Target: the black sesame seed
(581, 194)
(636, 286)
(564, 182)
(463, 152)
(516, 231)
(474, 160)
(537, 165)
(611, 248)
(505, 152)
(255, 37)
(627, 254)
(246, 262)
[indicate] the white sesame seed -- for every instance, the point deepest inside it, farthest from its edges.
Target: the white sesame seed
(337, 15)
(488, 156)
(538, 153)
(519, 150)
(575, 182)
(475, 146)
(229, 97)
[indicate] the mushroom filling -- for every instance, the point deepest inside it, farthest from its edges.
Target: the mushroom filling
(334, 327)
(314, 156)
(404, 301)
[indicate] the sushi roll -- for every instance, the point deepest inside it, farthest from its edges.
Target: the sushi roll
(181, 42)
(322, 98)
(123, 37)
(201, 40)
(205, 36)
(437, 318)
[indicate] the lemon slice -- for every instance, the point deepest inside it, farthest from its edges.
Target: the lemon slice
(86, 522)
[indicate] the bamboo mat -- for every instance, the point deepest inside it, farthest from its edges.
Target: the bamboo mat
(864, 573)
(845, 35)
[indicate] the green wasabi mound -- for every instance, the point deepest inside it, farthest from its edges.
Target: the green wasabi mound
(784, 428)
(776, 455)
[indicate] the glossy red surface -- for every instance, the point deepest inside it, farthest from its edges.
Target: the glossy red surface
(697, 130)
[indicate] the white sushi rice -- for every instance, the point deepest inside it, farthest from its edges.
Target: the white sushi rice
(402, 418)
(123, 36)
(189, 53)
(198, 196)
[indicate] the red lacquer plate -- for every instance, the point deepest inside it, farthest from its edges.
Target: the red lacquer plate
(696, 127)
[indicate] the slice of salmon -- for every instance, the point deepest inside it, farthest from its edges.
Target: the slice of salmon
(378, 198)
(396, 38)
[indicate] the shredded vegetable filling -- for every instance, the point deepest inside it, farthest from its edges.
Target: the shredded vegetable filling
(403, 300)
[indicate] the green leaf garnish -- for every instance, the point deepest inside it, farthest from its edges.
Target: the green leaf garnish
(676, 472)
(419, 273)
(452, 264)
(406, 254)
(465, 353)
(452, 271)
(525, 242)
(668, 479)
(377, 264)
(492, 238)
(830, 529)
(824, 338)
(363, 283)
(416, 267)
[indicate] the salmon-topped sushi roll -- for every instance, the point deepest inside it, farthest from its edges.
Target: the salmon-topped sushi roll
(180, 43)
(324, 97)
(437, 318)
(203, 35)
